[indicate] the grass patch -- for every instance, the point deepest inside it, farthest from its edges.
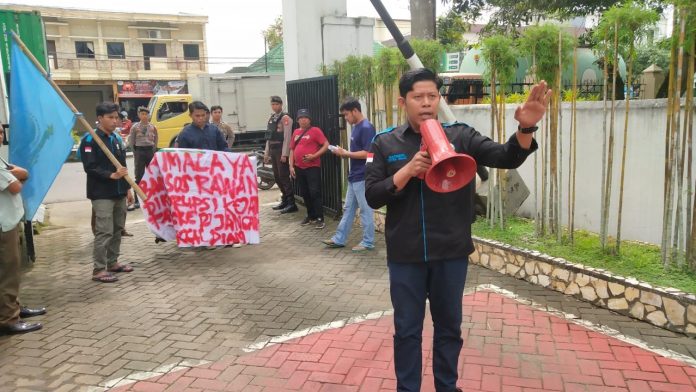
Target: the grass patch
(641, 261)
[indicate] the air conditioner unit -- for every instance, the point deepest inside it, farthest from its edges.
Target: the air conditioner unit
(154, 34)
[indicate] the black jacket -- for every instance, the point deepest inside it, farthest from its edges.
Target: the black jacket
(99, 168)
(422, 225)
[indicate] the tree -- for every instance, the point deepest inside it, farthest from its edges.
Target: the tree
(509, 15)
(423, 18)
(274, 33)
(652, 53)
(450, 31)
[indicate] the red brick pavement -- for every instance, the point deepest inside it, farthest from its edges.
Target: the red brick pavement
(508, 346)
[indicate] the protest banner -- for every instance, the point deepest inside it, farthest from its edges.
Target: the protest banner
(202, 198)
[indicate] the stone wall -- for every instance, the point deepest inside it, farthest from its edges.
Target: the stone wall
(668, 308)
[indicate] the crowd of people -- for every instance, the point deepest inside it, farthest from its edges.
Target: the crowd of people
(428, 233)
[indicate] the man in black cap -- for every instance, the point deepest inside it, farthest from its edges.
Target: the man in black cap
(277, 151)
(307, 146)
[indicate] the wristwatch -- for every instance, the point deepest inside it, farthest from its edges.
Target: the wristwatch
(527, 130)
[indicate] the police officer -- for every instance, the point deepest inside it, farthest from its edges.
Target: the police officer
(278, 134)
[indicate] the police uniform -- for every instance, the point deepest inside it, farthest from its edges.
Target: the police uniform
(278, 133)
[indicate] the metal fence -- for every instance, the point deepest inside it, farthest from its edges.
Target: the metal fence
(473, 91)
(320, 96)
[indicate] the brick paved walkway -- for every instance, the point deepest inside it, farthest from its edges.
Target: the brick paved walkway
(181, 309)
(508, 346)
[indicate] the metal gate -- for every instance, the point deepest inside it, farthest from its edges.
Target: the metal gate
(320, 96)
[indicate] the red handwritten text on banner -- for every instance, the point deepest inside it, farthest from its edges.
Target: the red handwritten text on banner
(202, 198)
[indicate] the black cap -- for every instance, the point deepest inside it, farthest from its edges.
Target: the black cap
(303, 113)
(276, 99)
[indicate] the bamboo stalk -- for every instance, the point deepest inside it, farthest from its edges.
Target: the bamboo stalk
(559, 186)
(81, 119)
(491, 178)
(623, 153)
(538, 218)
(669, 141)
(689, 124)
(544, 170)
(679, 144)
(610, 149)
(553, 164)
(605, 88)
(573, 152)
(499, 172)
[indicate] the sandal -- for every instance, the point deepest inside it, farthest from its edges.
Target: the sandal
(121, 268)
(104, 277)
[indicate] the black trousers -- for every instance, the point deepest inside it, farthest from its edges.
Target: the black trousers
(410, 284)
(309, 182)
(142, 156)
(281, 173)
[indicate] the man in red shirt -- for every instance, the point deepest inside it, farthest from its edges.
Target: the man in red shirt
(307, 146)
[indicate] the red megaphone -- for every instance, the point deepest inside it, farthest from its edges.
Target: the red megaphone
(450, 171)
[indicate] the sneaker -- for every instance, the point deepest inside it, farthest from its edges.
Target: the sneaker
(131, 207)
(332, 244)
(320, 223)
(361, 248)
(307, 221)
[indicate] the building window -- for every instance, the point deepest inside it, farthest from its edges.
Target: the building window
(154, 50)
(52, 53)
(84, 49)
(116, 50)
(191, 52)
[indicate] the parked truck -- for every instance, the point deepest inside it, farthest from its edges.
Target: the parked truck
(244, 99)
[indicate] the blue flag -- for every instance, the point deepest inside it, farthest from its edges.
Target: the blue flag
(40, 126)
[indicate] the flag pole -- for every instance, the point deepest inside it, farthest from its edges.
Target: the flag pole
(81, 118)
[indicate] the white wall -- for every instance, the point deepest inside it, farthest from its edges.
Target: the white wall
(317, 32)
(643, 187)
(346, 36)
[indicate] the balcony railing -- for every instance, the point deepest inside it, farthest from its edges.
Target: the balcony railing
(129, 64)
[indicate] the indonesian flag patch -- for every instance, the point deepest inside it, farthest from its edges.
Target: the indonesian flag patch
(88, 149)
(370, 156)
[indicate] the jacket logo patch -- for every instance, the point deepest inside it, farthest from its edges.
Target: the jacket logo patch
(396, 157)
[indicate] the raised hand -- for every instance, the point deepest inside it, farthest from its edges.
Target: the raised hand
(531, 112)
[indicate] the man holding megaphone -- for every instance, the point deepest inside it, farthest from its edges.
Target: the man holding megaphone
(422, 172)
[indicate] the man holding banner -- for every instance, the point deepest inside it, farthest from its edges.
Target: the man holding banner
(108, 191)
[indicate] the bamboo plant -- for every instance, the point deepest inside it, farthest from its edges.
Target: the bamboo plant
(501, 60)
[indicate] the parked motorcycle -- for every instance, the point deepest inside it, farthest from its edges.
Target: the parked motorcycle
(264, 172)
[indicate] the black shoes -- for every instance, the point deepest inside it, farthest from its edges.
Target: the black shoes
(25, 312)
(280, 206)
(290, 208)
(320, 223)
(20, 326)
(307, 221)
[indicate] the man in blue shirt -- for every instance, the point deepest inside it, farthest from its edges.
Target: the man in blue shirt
(360, 139)
(200, 134)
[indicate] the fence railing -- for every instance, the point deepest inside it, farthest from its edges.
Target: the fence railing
(473, 91)
(134, 64)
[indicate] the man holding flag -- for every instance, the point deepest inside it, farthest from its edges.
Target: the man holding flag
(108, 191)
